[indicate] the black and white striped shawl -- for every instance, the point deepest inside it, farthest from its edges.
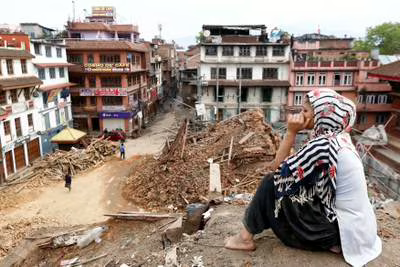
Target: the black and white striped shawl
(311, 172)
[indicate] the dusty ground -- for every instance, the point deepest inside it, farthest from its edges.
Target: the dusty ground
(94, 193)
(139, 244)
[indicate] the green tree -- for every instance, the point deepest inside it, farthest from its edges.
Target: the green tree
(200, 37)
(385, 36)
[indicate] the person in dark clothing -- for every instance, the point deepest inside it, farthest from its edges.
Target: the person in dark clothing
(68, 180)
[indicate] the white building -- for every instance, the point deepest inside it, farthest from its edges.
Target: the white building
(242, 69)
(50, 66)
(19, 117)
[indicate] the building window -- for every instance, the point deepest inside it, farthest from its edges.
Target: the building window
(37, 49)
(111, 82)
(266, 94)
(299, 79)
(382, 118)
(18, 128)
(48, 51)
(3, 98)
(246, 73)
(47, 120)
(77, 59)
(92, 81)
(221, 71)
(244, 51)
(348, 78)
(311, 78)
(382, 99)
(10, 69)
(66, 112)
(261, 50)
(371, 99)
(93, 100)
(59, 52)
(79, 101)
(112, 100)
(27, 94)
(109, 59)
(52, 73)
(23, 66)
(298, 99)
(221, 94)
(30, 122)
(7, 130)
(270, 73)
(227, 50)
(244, 94)
(14, 96)
(58, 120)
(360, 99)
(337, 79)
(90, 58)
(42, 74)
(278, 51)
(61, 72)
(322, 79)
(211, 50)
(362, 119)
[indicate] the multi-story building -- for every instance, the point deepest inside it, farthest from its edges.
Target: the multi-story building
(110, 73)
(19, 119)
(155, 88)
(242, 69)
(51, 66)
(36, 31)
(169, 67)
(321, 61)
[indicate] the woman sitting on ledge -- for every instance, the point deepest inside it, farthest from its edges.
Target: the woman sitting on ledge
(316, 199)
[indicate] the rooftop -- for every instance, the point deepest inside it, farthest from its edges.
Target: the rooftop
(389, 72)
(318, 36)
(100, 26)
(15, 53)
(18, 82)
(36, 24)
(105, 45)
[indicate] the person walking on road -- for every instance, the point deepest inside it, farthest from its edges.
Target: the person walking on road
(122, 151)
(68, 180)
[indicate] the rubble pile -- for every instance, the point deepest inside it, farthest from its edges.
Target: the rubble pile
(54, 167)
(242, 145)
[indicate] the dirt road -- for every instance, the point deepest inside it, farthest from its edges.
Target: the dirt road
(93, 193)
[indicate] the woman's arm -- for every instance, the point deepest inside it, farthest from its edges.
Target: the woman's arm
(295, 123)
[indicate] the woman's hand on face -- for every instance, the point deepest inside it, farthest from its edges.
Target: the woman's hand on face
(296, 123)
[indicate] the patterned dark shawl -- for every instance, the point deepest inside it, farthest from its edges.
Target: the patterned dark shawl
(311, 172)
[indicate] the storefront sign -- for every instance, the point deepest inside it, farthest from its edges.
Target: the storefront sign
(103, 92)
(101, 11)
(115, 115)
(107, 67)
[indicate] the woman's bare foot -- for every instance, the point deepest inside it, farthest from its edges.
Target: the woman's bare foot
(336, 249)
(241, 241)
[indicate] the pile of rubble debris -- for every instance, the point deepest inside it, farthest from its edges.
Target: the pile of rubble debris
(242, 145)
(54, 167)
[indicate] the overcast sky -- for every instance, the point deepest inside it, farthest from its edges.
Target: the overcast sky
(182, 19)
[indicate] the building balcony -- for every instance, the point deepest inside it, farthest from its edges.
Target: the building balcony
(343, 88)
(106, 68)
(334, 64)
(242, 59)
(363, 107)
(84, 109)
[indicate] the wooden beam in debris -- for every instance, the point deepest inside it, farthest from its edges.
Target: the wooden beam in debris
(140, 216)
(184, 138)
(230, 151)
(245, 138)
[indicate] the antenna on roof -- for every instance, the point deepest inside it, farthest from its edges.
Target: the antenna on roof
(159, 30)
(73, 11)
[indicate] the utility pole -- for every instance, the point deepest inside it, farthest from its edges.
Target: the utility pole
(240, 88)
(217, 92)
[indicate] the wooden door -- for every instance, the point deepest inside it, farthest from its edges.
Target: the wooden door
(9, 163)
(19, 157)
(33, 150)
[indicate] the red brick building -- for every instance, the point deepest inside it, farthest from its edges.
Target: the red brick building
(112, 78)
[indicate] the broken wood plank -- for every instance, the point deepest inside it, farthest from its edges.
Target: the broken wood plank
(184, 138)
(230, 151)
(245, 138)
(140, 216)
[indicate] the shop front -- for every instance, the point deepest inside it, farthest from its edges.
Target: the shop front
(116, 120)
